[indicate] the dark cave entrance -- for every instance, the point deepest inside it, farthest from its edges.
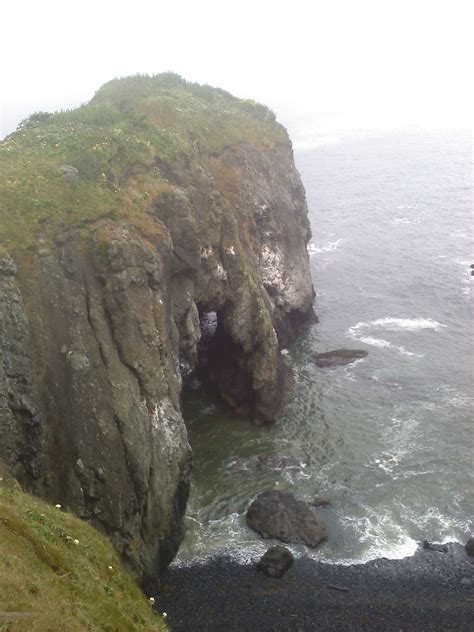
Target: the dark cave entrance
(209, 323)
(197, 380)
(220, 378)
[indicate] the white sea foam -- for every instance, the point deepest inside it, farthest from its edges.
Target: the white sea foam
(380, 342)
(374, 342)
(398, 324)
(357, 332)
(313, 249)
(439, 526)
(379, 536)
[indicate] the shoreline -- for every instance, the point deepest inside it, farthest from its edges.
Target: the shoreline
(427, 591)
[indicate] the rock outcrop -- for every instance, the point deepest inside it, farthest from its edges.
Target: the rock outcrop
(339, 357)
(275, 514)
(275, 561)
(104, 278)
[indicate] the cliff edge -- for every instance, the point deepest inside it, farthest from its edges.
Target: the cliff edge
(122, 223)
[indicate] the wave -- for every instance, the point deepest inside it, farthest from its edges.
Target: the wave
(377, 535)
(380, 342)
(391, 324)
(332, 245)
(398, 324)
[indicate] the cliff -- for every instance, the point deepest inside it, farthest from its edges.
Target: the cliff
(121, 223)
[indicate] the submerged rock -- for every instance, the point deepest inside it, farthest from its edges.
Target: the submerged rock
(275, 561)
(279, 462)
(338, 357)
(320, 501)
(275, 514)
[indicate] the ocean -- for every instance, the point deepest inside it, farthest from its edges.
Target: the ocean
(389, 438)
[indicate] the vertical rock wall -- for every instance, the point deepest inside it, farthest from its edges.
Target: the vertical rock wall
(96, 329)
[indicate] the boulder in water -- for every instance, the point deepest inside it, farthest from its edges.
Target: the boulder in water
(275, 514)
(276, 561)
(469, 546)
(320, 501)
(440, 548)
(338, 357)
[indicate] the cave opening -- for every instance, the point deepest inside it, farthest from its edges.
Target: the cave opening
(208, 321)
(198, 385)
(220, 377)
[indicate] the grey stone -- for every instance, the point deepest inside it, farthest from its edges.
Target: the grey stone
(275, 561)
(440, 548)
(275, 514)
(338, 357)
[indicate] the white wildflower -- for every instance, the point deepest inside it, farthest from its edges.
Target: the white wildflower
(76, 542)
(58, 506)
(152, 600)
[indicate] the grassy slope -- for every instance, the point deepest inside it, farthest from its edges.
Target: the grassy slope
(116, 141)
(49, 582)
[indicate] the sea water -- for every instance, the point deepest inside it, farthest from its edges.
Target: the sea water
(389, 438)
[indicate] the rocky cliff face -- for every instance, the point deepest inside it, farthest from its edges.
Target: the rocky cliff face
(100, 310)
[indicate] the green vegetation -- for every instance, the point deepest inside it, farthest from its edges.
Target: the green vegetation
(57, 573)
(117, 142)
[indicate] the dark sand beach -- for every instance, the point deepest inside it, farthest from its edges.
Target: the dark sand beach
(428, 591)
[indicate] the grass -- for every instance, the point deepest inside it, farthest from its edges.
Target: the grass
(57, 573)
(116, 141)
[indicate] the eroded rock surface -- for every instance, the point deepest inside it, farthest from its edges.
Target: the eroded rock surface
(100, 318)
(275, 514)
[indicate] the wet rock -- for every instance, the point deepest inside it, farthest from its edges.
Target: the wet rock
(469, 546)
(279, 462)
(338, 357)
(275, 514)
(320, 501)
(440, 548)
(276, 561)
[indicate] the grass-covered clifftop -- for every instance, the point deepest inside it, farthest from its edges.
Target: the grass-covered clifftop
(121, 144)
(57, 573)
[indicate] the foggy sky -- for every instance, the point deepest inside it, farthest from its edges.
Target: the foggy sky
(379, 63)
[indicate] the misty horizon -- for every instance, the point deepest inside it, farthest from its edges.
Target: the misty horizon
(396, 66)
